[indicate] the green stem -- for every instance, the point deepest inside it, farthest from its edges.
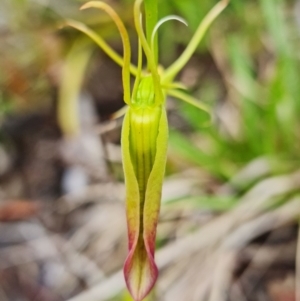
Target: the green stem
(148, 52)
(139, 70)
(151, 13)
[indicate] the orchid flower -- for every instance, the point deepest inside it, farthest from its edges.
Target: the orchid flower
(145, 133)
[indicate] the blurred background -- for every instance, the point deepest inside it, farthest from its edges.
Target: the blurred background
(228, 228)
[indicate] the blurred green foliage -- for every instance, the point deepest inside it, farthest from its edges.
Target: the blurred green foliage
(254, 45)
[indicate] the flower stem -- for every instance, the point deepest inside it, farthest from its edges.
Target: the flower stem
(148, 52)
(151, 13)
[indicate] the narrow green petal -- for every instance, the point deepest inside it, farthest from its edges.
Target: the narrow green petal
(125, 39)
(101, 43)
(173, 70)
(190, 100)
